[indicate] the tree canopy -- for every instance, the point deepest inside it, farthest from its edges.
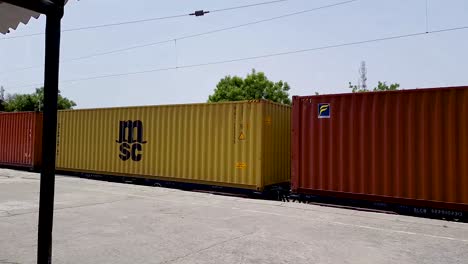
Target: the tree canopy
(381, 86)
(33, 102)
(2, 99)
(255, 86)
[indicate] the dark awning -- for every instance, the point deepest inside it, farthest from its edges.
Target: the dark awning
(11, 16)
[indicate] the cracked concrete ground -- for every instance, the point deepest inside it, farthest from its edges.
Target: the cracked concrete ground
(102, 222)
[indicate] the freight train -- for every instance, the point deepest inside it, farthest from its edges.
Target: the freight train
(401, 150)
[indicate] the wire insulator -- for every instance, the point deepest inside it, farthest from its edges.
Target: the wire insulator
(199, 13)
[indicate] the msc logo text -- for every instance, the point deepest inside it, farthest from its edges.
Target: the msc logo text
(131, 140)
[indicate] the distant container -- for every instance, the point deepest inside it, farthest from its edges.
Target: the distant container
(239, 144)
(408, 147)
(20, 139)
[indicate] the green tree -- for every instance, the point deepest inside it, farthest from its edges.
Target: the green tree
(20, 102)
(255, 86)
(2, 99)
(34, 102)
(381, 86)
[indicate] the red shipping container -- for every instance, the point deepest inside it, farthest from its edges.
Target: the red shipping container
(21, 139)
(408, 147)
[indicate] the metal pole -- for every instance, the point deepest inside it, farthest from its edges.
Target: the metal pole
(51, 78)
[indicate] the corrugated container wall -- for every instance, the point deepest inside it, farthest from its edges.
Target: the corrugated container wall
(241, 144)
(20, 139)
(407, 147)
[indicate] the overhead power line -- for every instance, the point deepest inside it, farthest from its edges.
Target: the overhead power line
(246, 6)
(259, 56)
(263, 20)
(186, 36)
(202, 12)
(196, 13)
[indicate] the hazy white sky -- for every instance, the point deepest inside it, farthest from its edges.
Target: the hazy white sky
(424, 61)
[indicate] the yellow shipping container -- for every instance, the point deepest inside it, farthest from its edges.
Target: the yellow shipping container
(235, 144)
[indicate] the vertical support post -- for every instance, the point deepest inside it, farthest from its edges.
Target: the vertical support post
(47, 186)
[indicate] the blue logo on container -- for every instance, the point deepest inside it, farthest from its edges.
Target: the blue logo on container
(324, 110)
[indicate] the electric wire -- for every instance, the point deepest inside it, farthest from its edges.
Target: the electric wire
(246, 6)
(144, 20)
(260, 56)
(185, 37)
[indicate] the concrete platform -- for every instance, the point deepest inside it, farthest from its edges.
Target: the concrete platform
(102, 222)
